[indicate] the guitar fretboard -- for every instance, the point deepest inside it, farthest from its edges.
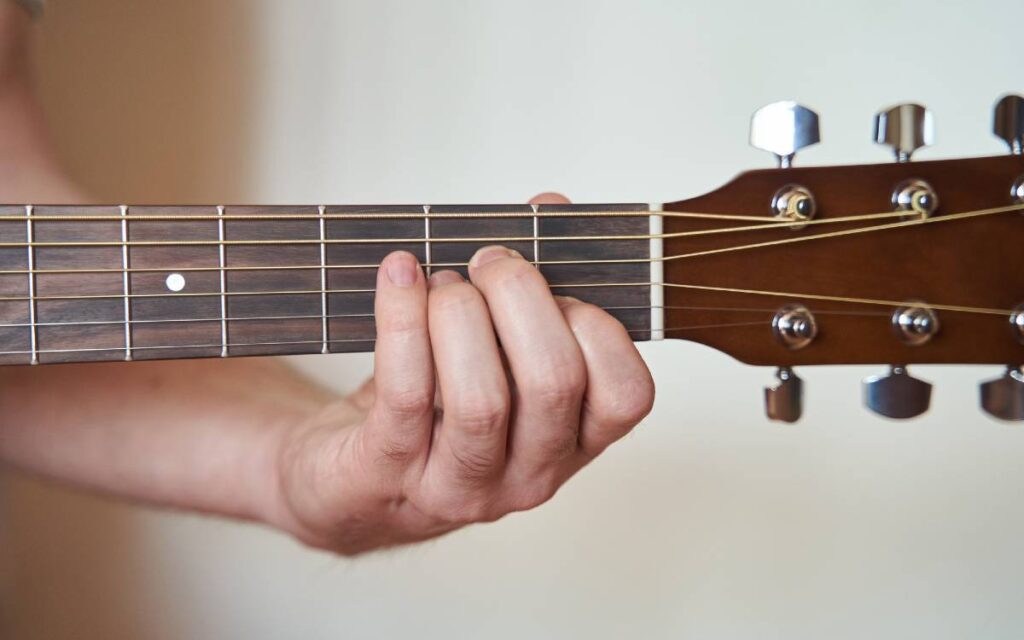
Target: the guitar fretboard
(89, 283)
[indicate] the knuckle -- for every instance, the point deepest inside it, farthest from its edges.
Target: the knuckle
(534, 495)
(630, 401)
(459, 510)
(512, 270)
(455, 296)
(474, 465)
(408, 403)
(559, 387)
(583, 316)
(479, 416)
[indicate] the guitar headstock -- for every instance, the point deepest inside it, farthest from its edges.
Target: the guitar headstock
(896, 263)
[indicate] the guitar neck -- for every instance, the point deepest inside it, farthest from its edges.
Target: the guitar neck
(94, 283)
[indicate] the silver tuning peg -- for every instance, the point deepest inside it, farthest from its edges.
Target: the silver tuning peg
(897, 395)
(906, 128)
(784, 402)
(783, 128)
(1008, 122)
(1003, 397)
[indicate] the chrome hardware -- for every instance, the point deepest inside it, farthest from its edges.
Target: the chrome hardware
(915, 324)
(1003, 397)
(794, 203)
(783, 128)
(1017, 322)
(904, 127)
(794, 326)
(1017, 191)
(897, 395)
(1008, 122)
(916, 197)
(784, 401)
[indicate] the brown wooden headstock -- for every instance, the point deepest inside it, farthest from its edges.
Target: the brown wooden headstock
(968, 269)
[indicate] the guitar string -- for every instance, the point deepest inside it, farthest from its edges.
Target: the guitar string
(779, 224)
(857, 230)
(436, 241)
(212, 319)
(39, 215)
(367, 341)
(963, 215)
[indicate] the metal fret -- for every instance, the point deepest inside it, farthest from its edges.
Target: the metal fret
(323, 282)
(223, 283)
(126, 285)
(426, 237)
(536, 235)
(657, 275)
(31, 285)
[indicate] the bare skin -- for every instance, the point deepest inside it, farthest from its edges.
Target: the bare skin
(450, 431)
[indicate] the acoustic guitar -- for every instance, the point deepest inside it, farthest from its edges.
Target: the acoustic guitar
(896, 264)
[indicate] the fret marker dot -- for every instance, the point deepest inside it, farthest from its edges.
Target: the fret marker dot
(175, 282)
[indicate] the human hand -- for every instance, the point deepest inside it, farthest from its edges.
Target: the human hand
(454, 429)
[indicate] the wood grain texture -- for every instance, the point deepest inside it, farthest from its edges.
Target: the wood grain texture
(271, 299)
(972, 262)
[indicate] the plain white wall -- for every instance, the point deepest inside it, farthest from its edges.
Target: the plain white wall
(708, 522)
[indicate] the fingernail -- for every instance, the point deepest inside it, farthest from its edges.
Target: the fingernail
(441, 278)
(490, 254)
(402, 269)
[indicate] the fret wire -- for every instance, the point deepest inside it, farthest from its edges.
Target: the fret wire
(34, 332)
(223, 282)
(126, 283)
(426, 240)
(323, 280)
(536, 235)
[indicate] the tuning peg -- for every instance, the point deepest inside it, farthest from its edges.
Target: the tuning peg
(897, 395)
(1008, 122)
(1003, 397)
(905, 127)
(783, 128)
(784, 401)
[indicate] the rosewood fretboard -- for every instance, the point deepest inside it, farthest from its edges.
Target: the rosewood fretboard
(88, 283)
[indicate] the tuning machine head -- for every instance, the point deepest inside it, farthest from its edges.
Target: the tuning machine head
(1003, 397)
(783, 128)
(1008, 122)
(784, 401)
(904, 127)
(897, 395)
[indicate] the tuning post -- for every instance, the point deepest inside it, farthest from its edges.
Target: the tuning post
(904, 127)
(916, 197)
(1003, 397)
(784, 401)
(794, 326)
(1017, 323)
(897, 395)
(794, 203)
(783, 128)
(1008, 122)
(915, 324)
(1017, 191)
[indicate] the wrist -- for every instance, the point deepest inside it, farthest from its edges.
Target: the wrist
(299, 463)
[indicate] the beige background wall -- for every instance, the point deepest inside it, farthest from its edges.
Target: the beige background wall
(708, 522)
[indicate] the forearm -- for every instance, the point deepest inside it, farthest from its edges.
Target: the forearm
(201, 435)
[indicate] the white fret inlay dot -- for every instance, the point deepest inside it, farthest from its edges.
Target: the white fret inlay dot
(175, 282)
